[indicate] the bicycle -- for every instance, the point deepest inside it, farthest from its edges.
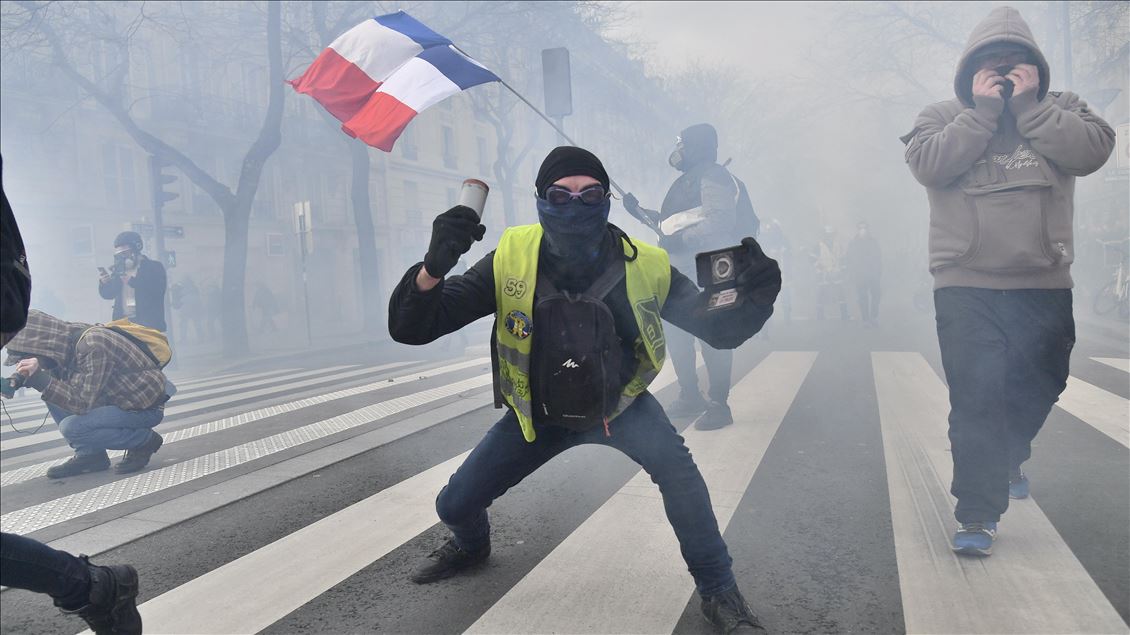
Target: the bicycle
(1116, 293)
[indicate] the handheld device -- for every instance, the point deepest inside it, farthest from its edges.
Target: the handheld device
(718, 274)
(10, 385)
(474, 195)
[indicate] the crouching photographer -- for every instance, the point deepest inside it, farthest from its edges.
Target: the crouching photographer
(102, 383)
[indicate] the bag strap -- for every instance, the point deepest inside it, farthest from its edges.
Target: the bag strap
(608, 280)
(142, 346)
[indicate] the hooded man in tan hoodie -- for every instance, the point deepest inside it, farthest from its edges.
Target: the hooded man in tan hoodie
(999, 164)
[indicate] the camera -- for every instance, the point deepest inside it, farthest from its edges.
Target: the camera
(9, 386)
(718, 273)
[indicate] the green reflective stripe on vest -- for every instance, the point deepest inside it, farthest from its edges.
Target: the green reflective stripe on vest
(647, 278)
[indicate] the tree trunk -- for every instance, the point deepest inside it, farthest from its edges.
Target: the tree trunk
(233, 317)
(366, 238)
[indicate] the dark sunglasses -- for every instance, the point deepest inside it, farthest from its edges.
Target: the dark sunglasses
(591, 195)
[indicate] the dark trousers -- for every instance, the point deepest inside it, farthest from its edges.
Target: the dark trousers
(32, 565)
(1006, 356)
(719, 364)
(503, 458)
(106, 427)
(867, 293)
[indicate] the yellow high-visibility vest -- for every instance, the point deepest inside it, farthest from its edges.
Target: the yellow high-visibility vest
(648, 280)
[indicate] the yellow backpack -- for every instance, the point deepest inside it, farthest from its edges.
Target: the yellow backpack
(152, 342)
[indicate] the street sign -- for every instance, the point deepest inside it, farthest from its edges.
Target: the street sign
(145, 229)
(170, 259)
(174, 231)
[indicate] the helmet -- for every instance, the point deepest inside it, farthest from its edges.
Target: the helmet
(129, 239)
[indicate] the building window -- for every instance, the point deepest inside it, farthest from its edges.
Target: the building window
(407, 143)
(449, 160)
(118, 178)
(275, 245)
(82, 240)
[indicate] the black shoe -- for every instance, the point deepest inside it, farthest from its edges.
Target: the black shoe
(80, 465)
(112, 606)
(137, 458)
(687, 404)
(447, 561)
(717, 416)
(729, 613)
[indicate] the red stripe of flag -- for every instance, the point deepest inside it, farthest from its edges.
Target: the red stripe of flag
(339, 85)
(380, 122)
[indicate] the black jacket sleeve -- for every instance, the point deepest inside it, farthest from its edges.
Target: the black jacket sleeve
(723, 328)
(419, 317)
(111, 288)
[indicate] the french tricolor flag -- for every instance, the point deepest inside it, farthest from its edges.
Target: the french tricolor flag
(381, 73)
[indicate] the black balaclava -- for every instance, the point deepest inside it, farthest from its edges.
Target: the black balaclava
(574, 232)
(699, 145)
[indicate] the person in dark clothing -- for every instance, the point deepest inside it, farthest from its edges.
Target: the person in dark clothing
(865, 268)
(704, 209)
(572, 247)
(999, 163)
(135, 283)
(105, 597)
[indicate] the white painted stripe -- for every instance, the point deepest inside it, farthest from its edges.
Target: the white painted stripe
(252, 592)
(65, 508)
(21, 474)
(1104, 411)
(620, 571)
(196, 406)
(1115, 362)
(362, 533)
(237, 387)
(1031, 584)
(376, 49)
(418, 85)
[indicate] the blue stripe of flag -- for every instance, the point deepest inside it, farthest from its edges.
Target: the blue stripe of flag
(461, 71)
(409, 26)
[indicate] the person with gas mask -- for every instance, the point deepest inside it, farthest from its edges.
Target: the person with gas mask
(578, 337)
(703, 210)
(135, 283)
(999, 164)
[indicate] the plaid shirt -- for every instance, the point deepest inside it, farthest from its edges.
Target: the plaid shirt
(102, 369)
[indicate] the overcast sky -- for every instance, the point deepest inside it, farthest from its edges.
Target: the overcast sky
(768, 38)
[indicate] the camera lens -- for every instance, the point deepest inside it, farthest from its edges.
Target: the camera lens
(722, 267)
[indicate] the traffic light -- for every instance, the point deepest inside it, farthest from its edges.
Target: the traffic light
(158, 180)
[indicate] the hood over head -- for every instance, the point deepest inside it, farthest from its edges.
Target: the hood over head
(1003, 26)
(44, 336)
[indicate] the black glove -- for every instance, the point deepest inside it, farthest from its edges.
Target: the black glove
(453, 233)
(631, 203)
(762, 278)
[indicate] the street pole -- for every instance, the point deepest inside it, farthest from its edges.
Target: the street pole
(157, 200)
(302, 229)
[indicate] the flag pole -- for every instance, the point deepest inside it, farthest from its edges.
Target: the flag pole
(643, 218)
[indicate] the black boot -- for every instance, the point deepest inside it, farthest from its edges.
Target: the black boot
(80, 465)
(689, 403)
(717, 416)
(729, 613)
(447, 561)
(112, 605)
(137, 458)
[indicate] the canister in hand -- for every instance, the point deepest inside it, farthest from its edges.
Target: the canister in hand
(474, 195)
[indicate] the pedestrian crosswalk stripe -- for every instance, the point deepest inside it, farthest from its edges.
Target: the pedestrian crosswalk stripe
(1120, 363)
(250, 593)
(1105, 411)
(410, 503)
(21, 474)
(1032, 584)
(65, 508)
(624, 557)
(197, 406)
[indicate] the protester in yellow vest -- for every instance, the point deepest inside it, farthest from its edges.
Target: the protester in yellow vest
(575, 253)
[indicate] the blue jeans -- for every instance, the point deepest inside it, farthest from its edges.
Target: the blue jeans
(32, 565)
(105, 428)
(503, 458)
(1006, 356)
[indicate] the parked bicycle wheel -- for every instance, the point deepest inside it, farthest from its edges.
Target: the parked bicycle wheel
(1107, 300)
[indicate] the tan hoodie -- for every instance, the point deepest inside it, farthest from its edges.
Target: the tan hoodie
(1000, 176)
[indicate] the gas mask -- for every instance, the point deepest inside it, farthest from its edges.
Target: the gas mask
(125, 261)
